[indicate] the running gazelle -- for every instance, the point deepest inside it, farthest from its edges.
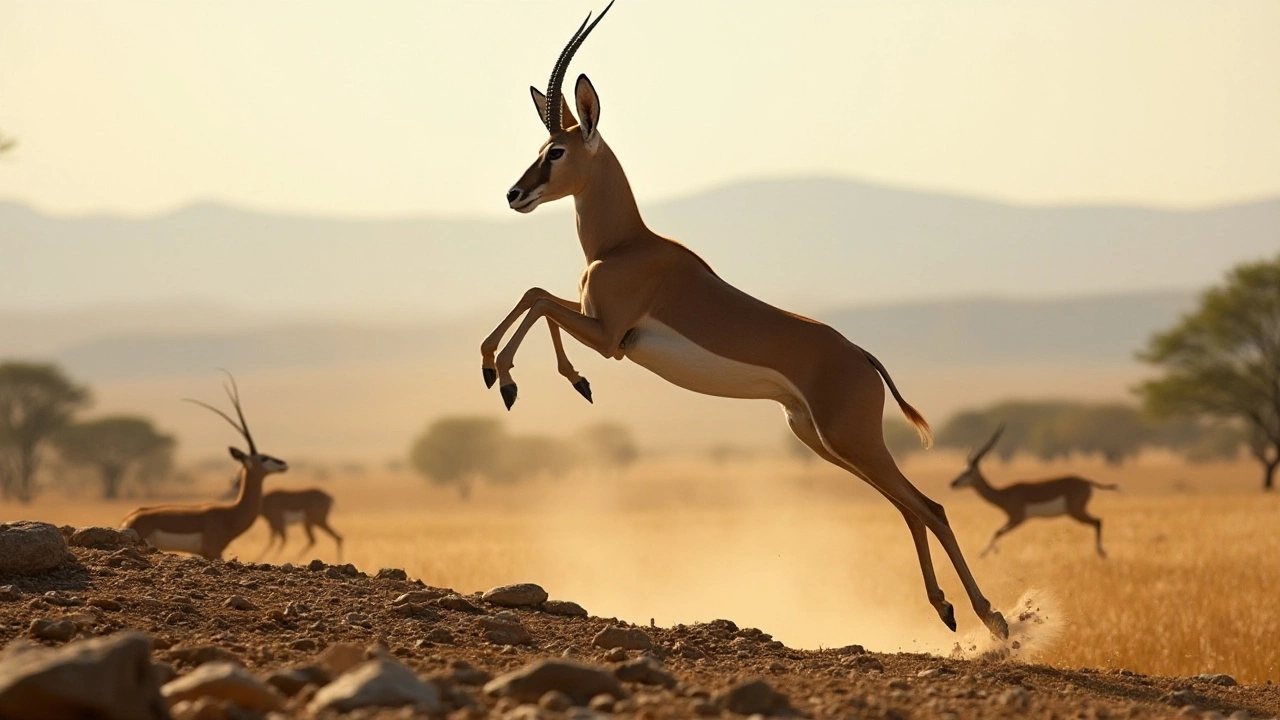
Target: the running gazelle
(653, 301)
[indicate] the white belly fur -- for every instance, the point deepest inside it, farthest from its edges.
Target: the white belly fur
(183, 542)
(681, 361)
(1049, 508)
(293, 517)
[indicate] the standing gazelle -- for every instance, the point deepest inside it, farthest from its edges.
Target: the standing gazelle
(652, 300)
(208, 529)
(310, 508)
(1045, 498)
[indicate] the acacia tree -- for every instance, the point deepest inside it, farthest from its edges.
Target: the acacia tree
(36, 401)
(1223, 361)
(118, 448)
(455, 451)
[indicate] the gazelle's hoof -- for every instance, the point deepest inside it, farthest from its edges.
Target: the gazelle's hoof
(490, 376)
(948, 615)
(997, 625)
(508, 394)
(584, 389)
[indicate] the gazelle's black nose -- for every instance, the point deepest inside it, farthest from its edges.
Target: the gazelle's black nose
(513, 195)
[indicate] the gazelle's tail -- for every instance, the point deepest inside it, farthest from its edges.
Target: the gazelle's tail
(1104, 486)
(913, 415)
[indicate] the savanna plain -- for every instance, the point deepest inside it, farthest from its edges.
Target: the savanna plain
(819, 560)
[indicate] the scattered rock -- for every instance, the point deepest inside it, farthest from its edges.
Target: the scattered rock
(224, 681)
(201, 654)
(625, 638)
(1015, 697)
(392, 574)
(439, 635)
(933, 672)
(105, 603)
(304, 645)
(130, 558)
(341, 657)
(31, 547)
(57, 630)
(376, 683)
(238, 602)
(899, 684)
(9, 593)
(756, 697)
(101, 538)
(456, 602)
(1219, 679)
(502, 630)
(1180, 698)
(291, 681)
(644, 670)
(109, 678)
(419, 597)
(555, 701)
(616, 655)
(518, 595)
(579, 681)
(61, 599)
(567, 608)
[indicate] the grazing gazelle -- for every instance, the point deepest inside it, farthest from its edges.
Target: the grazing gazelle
(1045, 498)
(208, 529)
(282, 508)
(653, 301)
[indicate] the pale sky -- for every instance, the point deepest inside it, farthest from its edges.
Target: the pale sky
(420, 107)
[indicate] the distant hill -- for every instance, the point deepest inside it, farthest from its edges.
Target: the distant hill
(805, 243)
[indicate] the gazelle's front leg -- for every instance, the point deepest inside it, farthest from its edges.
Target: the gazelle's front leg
(490, 344)
(587, 330)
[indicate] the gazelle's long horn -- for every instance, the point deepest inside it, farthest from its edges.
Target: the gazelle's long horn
(234, 394)
(977, 455)
(562, 66)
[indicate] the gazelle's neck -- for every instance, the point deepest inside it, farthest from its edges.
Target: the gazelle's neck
(606, 210)
(988, 493)
(249, 500)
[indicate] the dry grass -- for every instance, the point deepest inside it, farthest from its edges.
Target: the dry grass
(817, 559)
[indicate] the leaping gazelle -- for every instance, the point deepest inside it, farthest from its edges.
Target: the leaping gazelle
(208, 529)
(652, 300)
(1045, 498)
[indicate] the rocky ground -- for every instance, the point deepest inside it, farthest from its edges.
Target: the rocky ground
(242, 640)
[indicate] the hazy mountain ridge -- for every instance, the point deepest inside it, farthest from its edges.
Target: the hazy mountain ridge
(805, 244)
(1102, 330)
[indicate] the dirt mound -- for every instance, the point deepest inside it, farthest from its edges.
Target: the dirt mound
(301, 628)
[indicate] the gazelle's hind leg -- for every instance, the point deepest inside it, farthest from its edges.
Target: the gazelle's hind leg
(1079, 513)
(311, 539)
(803, 428)
(846, 407)
(323, 524)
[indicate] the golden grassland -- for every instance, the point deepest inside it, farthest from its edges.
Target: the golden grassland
(817, 559)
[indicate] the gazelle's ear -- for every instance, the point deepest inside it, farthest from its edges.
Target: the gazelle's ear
(566, 116)
(238, 454)
(589, 110)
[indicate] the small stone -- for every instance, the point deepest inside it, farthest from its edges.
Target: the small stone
(566, 608)
(616, 655)
(625, 638)
(237, 602)
(303, 645)
(933, 672)
(57, 630)
(201, 654)
(1015, 697)
(61, 599)
(107, 677)
(224, 681)
(341, 657)
(899, 684)
(756, 697)
(1218, 679)
(518, 595)
(645, 670)
(457, 603)
(504, 631)
(9, 593)
(28, 547)
(316, 565)
(418, 597)
(105, 603)
(580, 682)
(376, 683)
(102, 538)
(441, 635)
(602, 703)
(293, 680)
(392, 574)
(1180, 698)
(555, 701)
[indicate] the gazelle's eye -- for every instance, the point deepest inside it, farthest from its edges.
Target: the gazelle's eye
(555, 153)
